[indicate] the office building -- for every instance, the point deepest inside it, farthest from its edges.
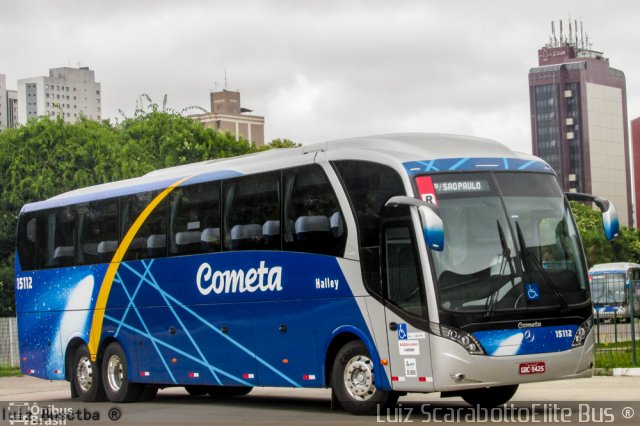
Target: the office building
(579, 118)
(69, 93)
(227, 115)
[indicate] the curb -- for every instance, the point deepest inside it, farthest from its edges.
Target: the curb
(617, 372)
(629, 372)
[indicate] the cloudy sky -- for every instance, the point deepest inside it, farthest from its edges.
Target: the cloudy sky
(319, 69)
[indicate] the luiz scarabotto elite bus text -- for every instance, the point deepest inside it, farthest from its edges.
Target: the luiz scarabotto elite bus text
(374, 266)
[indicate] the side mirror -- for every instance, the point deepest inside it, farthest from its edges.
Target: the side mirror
(432, 226)
(610, 221)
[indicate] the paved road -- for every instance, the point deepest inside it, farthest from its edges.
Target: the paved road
(309, 406)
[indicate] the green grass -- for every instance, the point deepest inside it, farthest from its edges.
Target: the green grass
(615, 359)
(6, 371)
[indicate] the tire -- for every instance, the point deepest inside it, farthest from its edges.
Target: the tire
(353, 381)
(115, 376)
(87, 379)
(196, 390)
(489, 397)
(228, 391)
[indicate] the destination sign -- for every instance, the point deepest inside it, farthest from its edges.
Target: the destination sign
(462, 186)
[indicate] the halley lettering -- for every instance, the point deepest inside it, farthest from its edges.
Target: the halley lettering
(238, 281)
(327, 283)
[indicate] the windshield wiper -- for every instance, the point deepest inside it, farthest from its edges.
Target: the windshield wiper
(526, 256)
(492, 299)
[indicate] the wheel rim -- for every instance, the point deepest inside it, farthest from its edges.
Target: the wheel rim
(358, 378)
(84, 373)
(115, 372)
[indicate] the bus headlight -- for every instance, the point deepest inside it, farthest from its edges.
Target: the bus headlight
(582, 332)
(462, 338)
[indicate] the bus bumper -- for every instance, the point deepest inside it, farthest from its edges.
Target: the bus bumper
(455, 369)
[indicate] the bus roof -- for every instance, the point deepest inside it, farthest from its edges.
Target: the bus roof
(393, 148)
(612, 267)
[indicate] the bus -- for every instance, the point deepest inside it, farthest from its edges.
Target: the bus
(613, 287)
(373, 266)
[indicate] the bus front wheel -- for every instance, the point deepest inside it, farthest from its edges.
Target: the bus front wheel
(115, 376)
(353, 381)
(489, 397)
(86, 376)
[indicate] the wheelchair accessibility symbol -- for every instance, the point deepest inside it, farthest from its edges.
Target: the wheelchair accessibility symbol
(402, 331)
(533, 293)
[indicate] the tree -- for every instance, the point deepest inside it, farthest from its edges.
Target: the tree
(625, 248)
(282, 143)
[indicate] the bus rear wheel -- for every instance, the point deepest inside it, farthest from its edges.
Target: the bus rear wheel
(86, 376)
(489, 397)
(353, 381)
(115, 376)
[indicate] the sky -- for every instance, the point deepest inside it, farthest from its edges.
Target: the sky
(319, 69)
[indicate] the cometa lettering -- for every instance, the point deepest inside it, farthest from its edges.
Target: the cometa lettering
(238, 281)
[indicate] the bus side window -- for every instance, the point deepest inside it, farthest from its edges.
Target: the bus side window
(98, 231)
(369, 186)
(151, 239)
(27, 231)
(195, 219)
(251, 210)
(59, 236)
(313, 219)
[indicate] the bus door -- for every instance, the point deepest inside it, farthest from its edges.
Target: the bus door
(405, 303)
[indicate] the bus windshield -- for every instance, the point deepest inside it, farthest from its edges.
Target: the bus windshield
(510, 243)
(608, 288)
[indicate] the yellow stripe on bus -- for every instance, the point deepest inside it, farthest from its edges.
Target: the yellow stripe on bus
(107, 282)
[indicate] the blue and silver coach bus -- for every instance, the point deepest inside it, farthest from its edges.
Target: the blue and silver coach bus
(374, 266)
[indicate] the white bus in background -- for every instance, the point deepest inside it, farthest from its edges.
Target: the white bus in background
(614, 286)
(376, 266)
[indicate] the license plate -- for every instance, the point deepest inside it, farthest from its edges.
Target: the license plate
(533, 368)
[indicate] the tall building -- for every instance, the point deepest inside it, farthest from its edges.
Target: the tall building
(579, 118)
(67, 92)
(228, 116)
(12, 108)
(635, 144)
